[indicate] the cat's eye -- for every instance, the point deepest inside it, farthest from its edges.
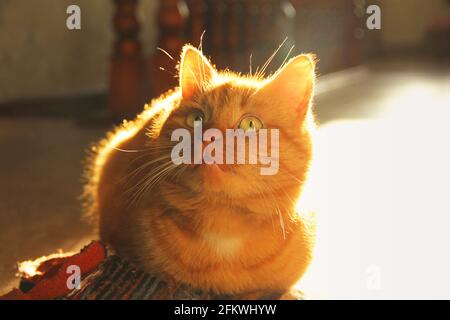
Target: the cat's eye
(250, 123)
(195, 115)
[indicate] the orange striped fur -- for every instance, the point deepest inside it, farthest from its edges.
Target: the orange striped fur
(222, 228)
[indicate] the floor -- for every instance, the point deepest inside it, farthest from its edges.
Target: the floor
(381, 174)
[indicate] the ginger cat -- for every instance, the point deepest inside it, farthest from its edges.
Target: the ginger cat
(223, 228)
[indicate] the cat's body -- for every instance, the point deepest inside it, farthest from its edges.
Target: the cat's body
(224, 228)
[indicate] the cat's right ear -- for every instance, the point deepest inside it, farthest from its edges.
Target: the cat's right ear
(291, 88)
(195, 71)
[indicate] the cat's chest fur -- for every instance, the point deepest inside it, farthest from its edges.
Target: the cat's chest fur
(219, 249)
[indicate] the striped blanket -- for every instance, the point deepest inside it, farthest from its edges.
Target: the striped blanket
(109, 277)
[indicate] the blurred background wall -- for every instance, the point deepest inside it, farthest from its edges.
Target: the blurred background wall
(404, 23)
(40, 57)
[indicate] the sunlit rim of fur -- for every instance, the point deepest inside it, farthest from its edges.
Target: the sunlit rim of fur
(99, 152)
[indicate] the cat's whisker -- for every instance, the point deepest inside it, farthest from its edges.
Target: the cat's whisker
(200, 48)
(292, 202)
(160, 176)
(128, 151)
(169, 72)
(165, 52)
(131, 150)
(287, 56)
(143, 166)
(170, 57)
(160, 147)
(179, 172)
(275, 200)
(150, 153)
(290, 174)
(151, 179)
(280, 217)
(269, 60)
(262, 190)
(141, 150)
(261, 195)
(201, 66)
(138, 185)
(157, 178)
(282, 224)
(151, 173)
(142, 185)
(199, 86)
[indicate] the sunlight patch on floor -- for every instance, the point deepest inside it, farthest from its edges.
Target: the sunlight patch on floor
(382, 195)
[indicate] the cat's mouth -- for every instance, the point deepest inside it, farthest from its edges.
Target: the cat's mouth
(214, 176)
(213, 171)
(221, 180)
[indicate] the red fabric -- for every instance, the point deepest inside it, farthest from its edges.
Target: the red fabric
(52, 283)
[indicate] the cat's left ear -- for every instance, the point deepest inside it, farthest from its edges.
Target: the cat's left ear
(291, 88)
(195, 71)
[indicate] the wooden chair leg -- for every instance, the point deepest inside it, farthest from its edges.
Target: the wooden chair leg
(172, 17)
(127, 77)
(197, 16)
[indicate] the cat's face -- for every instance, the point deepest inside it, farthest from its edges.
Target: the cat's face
(280, 106)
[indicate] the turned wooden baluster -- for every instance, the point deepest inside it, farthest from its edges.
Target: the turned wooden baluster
(251, 11)
(285, 32)
(264, 32)
(275, 25)
(127, 78)
(197, 9)
(355, 35)
(233, 40)
(217, 25)
(172, 17)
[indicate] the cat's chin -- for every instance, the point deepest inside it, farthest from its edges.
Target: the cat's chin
(223, 180)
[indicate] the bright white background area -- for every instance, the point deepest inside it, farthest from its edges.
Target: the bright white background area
(381, 190)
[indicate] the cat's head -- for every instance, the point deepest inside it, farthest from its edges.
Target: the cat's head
(279, 105)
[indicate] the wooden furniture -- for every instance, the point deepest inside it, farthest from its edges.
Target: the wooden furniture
(241, 35)
(232, 30)
(172, 17)
(127, 78)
